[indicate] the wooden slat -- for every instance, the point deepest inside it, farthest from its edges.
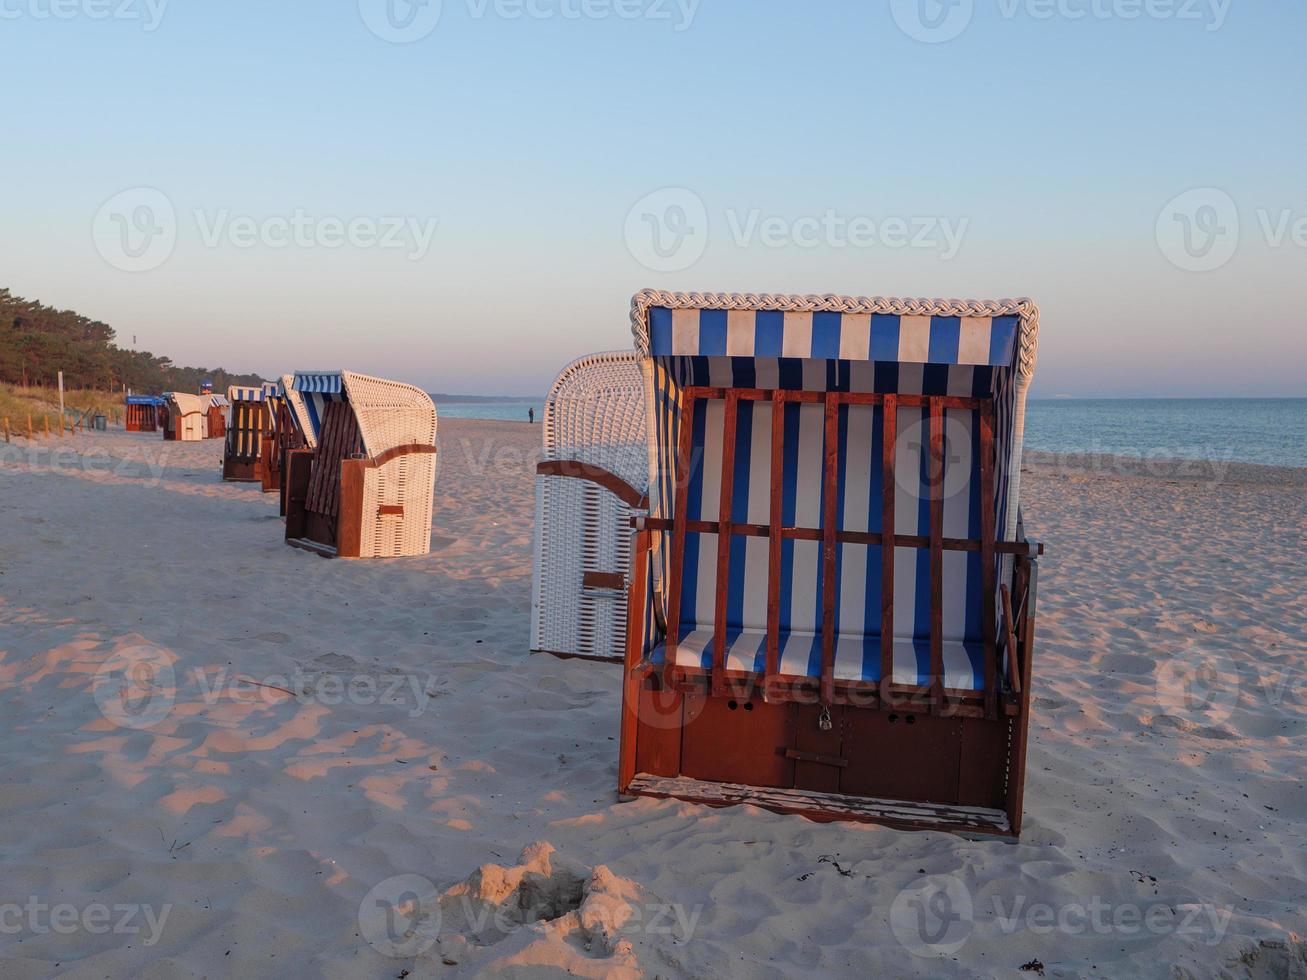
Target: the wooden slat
(988, 573)
(829, 548)
(684, 450)
(1010, 641)
(603, 580)
(634, 655)
(891, 428)
(845, 397)
(844, 537)
(577, 470)
(828, 806)
(724, 541)
(936, 471)
(774, 534)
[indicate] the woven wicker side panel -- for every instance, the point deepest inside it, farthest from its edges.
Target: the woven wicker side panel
(581, 528)
(340, 440)
(407, 482)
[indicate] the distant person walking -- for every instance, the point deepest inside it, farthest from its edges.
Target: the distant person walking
(531, 415)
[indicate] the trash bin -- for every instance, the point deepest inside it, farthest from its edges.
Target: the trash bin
(101, 423)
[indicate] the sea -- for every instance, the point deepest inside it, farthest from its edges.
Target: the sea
(1270, 431)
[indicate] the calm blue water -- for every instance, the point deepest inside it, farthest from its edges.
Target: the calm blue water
(1272, 431)
(506, 411)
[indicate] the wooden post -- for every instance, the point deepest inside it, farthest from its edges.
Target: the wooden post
(349, 522)
(830, 547)
(988, 573)
(61, 401)
(29, 427)
(774, 541)
(936, 470)
(6, 428)
(46, 419)
(684, 456)
(889, 452)
(724, 541)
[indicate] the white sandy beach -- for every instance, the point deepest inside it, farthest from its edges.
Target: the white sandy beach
(404, 730)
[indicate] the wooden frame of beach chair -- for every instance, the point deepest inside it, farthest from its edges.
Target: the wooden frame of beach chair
(834, 538)
(141, 413)
(592, 476)
(365, 490)
(289, 420)
(251, 421)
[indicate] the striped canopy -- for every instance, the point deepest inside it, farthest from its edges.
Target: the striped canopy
(973, 340)
(320, 382)
(318, 389)
(153, 400)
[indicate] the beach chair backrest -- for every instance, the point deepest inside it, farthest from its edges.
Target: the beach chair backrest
(810, 430)
(594, 471)
(249, 421)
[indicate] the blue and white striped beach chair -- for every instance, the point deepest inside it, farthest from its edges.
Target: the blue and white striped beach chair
(832, 600)
(249, 421)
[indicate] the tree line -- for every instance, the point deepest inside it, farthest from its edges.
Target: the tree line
(38, 341)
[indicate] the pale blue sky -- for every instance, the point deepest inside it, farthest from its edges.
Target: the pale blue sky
(1048, 145)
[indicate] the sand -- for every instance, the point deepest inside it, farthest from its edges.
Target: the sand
(410, 790)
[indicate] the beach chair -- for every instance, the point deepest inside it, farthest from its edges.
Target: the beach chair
(217, 417)
(365, 489)
(594, 471)
(251, 420)
(832, 599)
(286, 434)
(188, 416)
(141, 413)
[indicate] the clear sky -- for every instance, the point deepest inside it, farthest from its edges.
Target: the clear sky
(1024, 147)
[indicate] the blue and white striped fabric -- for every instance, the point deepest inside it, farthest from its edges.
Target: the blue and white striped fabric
(833, 336)
(243, 393)
(319, 388)
(858, 585)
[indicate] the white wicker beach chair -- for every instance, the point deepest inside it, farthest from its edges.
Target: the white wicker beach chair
(594, 471)
(365, 490)
(187, 416)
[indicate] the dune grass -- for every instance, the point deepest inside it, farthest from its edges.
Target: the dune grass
(17, 404)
